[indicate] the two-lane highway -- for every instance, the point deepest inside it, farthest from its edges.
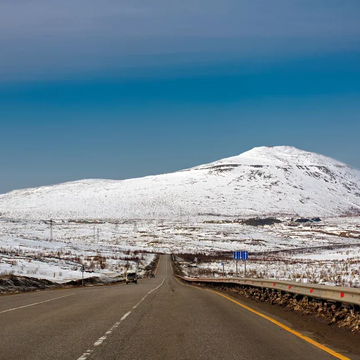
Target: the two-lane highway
(159, 318)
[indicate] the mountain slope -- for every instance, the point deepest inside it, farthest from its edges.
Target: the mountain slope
(262, 181)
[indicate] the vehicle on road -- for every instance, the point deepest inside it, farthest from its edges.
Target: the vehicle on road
(131, 276)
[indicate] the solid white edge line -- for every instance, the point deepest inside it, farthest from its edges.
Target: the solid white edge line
(125, 316)
(33, 304)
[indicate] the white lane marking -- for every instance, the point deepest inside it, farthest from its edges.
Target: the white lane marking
(149, 294)
(85, 355)
(97, 343)
(33, 304)
(125, 316)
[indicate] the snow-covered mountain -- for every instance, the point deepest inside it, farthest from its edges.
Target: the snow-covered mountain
(262, 181)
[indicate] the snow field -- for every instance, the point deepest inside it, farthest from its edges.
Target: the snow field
(302, 252)
(343, 272)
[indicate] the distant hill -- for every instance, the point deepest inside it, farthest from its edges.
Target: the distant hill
(279, 180)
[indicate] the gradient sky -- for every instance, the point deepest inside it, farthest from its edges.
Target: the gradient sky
(119, 89)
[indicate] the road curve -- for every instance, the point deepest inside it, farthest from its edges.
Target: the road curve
(157, 319)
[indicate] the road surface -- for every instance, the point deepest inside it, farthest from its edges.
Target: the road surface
(158, 318)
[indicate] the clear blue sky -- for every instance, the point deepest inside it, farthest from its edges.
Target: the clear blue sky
(119, 89)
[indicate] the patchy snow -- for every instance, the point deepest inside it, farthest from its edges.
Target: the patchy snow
(327, 252)
(27, 250)
(284, 250)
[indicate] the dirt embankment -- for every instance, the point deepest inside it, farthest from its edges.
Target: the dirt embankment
(13, 284)
(151, 268)
(18, 284)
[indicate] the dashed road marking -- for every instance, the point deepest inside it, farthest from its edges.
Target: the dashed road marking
(98, 342)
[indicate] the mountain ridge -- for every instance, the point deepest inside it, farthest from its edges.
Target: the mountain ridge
(261, 181)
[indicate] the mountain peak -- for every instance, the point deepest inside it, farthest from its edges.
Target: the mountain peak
(278, 155)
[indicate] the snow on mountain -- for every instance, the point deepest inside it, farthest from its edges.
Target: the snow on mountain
(262, 181)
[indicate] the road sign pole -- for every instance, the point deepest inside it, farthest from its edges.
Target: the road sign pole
(245, 268)
(236, 268)
(82, 274)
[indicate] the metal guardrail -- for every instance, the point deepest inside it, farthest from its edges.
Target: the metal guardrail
(332, 293)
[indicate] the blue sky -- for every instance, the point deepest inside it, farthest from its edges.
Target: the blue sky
(119, 89)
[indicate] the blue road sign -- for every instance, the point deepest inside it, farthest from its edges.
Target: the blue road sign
(241, 255)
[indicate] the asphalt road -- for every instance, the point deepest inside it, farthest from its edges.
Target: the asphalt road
(158, 318)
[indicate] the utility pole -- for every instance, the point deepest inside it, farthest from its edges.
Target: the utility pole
(51, 229)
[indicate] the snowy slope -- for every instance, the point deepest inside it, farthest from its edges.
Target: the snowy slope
(262, 181)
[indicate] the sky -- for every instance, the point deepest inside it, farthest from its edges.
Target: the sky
(117, 89)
